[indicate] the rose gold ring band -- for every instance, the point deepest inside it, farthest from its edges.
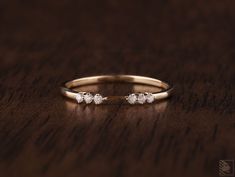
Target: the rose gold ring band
(68, 91)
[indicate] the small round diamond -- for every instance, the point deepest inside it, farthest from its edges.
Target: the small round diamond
(141, 98)
(88, 98)
(98, 99)
(149, 97)
(132, 98)
(79, 97)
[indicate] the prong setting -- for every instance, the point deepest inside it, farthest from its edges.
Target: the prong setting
(79, 97)
(88, 98)
(131, 98)
(150, 97)
(98, 99)
(140, 98)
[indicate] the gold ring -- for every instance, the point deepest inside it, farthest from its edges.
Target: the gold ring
(68, 91)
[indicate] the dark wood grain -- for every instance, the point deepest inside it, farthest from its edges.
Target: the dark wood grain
(188, 43)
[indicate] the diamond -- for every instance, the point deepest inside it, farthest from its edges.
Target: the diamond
(79, 97)
(98, 99)
(150, 97)
(141, 98)
(132, 98)
(88, 98)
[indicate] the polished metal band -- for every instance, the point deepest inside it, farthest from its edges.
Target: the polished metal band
(67, 89)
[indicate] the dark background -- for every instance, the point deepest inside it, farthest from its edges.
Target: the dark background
(188, 43)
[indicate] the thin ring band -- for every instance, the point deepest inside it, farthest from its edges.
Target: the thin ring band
(133, 98)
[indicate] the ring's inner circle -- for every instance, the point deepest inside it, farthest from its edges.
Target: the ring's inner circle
(116, 78)
(117, 88)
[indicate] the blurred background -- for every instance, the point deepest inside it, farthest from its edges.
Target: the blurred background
(118, 34)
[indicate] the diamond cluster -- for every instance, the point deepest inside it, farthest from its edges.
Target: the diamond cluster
(89, 98)
(140, 98)
(133, 98)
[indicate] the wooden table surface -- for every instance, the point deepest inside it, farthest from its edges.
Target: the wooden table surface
(188, 43)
